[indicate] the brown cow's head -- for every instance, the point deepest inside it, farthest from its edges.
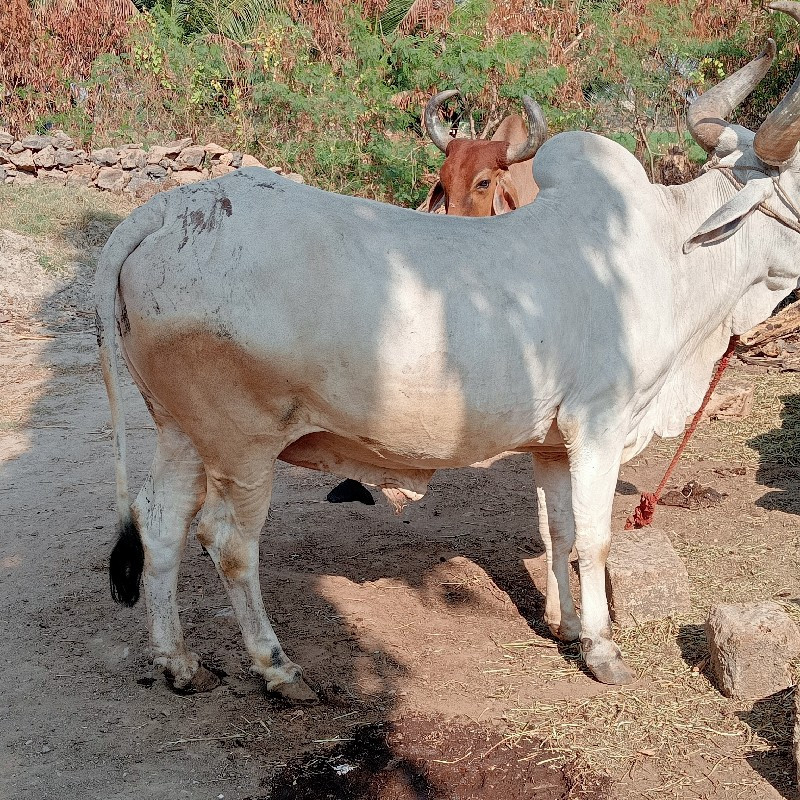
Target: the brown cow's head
(475, 180)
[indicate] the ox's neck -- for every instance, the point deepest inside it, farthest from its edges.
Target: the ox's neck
(716, 275)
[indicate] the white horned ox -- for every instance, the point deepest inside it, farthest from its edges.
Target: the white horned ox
(265, 320)
(485, 177)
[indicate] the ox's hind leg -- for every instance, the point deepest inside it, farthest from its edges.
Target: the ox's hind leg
(164, 508)
(557, 529)
(233, 515)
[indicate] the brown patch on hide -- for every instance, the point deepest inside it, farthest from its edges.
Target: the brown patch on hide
(231, 562)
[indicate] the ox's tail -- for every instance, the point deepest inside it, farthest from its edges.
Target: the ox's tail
(127, 558)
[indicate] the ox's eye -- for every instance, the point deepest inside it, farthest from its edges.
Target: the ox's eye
(484, 184)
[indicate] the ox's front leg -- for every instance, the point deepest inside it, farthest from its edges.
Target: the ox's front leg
(594, 466)
(234, 513)
(557, 529)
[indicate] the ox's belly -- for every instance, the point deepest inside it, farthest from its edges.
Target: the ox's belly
(226, 395)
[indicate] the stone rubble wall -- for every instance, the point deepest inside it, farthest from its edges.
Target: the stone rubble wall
(56, 158)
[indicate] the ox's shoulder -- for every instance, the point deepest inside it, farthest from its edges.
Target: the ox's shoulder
(587, 158)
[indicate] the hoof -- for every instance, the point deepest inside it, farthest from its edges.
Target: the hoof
(203, 680)
(614, 673)
(350, 491)
(566, 633)
(296, 692)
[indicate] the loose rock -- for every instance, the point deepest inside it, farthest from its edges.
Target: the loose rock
(751, 647)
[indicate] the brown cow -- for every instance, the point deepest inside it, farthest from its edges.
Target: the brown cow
(480, 177)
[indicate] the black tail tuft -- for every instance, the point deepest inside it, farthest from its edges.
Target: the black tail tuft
(125, 565)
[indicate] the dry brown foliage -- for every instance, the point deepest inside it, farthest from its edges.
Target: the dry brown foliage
(85, 29)
(426, 15)
(60, 39)
(15, 38)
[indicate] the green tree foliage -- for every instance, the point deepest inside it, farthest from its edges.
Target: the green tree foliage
(336, 90)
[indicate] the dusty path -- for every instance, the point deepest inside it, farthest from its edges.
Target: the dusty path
(410, 626)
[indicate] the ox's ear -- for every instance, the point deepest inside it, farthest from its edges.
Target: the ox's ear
(728, 219)
(435, 199)
(505, 195)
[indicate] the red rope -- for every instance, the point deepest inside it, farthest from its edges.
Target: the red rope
(644, 512)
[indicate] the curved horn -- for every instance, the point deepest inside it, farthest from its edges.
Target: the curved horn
(537, 133)
(789, 7)
(779, 133)
(706, 115)
(433, 125)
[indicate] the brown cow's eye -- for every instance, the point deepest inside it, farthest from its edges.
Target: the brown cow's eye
(482, 184)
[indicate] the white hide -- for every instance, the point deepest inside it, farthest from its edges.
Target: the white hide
(265, 319)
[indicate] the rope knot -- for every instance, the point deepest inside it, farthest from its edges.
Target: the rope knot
(643, 513)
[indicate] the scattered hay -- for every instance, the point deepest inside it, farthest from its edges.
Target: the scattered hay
(673, 722)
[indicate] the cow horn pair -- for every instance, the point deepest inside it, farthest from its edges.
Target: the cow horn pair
(778, 135)
(537, 127)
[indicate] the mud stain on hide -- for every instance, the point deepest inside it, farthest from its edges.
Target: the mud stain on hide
(123, 323)
(198, 221)
(290, 415)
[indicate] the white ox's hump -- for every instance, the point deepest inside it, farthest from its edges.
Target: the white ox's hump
(593, 163)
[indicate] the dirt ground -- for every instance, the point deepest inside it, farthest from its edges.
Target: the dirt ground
(420, 631)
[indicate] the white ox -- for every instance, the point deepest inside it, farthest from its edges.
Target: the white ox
(264, 320)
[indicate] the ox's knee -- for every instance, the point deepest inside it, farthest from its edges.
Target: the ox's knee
(232, 553)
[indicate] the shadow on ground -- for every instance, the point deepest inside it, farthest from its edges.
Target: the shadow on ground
(772, 719)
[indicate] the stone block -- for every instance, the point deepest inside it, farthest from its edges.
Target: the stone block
(52, 176)
(645, 577)
(36, 142)
(155, 171)
(46, 157)
(191, 157)
(213, 150)
(22, 160)
(111, 178)
(133, 158)
(24, 179)
(62, 141)
(6, 139)
(142, 188)
(106, 156)
(751, 646)
(15, 147)
(250, 161)
(173, 148)
(82, 174)
(218, 170)
(155, 154)
(69, 158)
(185, 176)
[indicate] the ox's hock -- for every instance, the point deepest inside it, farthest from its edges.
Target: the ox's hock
(263, 319)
